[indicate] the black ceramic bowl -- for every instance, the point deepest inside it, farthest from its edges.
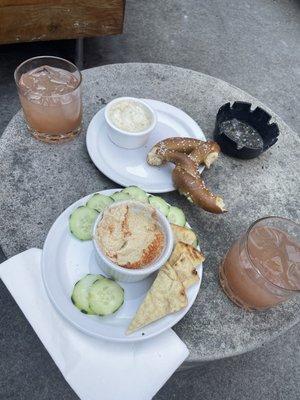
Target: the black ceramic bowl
(257, 119)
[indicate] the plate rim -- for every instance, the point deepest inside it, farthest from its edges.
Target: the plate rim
(125, 339)
(109, 172)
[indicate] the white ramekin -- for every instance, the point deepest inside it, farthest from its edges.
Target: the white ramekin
(134, 275)
(129, 140)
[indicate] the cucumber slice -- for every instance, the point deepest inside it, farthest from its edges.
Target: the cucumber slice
(105, 297)
(81, 222)
(160, 204)
(136, 193)
(80, 294)
(176, 216)
(99, 202)
(120, 196)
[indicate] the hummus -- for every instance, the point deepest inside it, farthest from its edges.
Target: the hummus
(130, 235)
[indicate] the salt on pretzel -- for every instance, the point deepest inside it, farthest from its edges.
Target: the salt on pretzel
(187, 154)
(199, 151)
(205, 153)
(194, 189)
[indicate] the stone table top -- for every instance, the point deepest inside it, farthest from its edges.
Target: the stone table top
(38, 181)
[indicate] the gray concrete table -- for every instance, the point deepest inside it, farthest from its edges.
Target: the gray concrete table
(38, 181)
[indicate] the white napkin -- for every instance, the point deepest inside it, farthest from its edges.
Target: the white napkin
(95, 369)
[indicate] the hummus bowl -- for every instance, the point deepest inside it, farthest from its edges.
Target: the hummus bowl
(132, 240)
(66, 259)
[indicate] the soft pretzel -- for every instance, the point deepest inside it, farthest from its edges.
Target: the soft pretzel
(194, 189)
(180, 159)
(205, 153)
(187, 154)
(199, 151)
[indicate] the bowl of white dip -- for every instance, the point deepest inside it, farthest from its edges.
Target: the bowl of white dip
(131, 121)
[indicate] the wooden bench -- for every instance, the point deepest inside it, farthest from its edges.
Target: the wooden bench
(33, 20)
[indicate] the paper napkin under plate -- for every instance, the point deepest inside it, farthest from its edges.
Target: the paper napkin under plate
(94, 368)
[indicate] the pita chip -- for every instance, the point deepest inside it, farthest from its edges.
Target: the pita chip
(185, 235)
(166, 295)
(186, 271)
(195, 255)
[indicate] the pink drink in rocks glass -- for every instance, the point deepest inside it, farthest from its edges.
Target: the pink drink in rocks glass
(50, 93)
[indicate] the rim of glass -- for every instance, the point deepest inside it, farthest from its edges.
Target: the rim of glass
(56, 58)
(289, 290)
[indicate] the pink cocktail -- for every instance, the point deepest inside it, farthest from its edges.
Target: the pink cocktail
(262, 268)
(50, 94)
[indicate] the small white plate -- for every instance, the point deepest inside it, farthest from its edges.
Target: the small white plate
(129, 167)
(65, 260)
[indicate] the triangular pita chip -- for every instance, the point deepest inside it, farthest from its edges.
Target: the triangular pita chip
(195, 255)
(186, 270)
(166, 295)
(185, 235)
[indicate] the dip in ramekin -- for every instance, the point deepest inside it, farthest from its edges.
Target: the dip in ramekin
(132, 240)
(130, 122)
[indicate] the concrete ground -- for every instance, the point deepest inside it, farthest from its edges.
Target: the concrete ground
(254, 45)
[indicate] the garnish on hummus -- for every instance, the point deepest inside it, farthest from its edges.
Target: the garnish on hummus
(130, 235)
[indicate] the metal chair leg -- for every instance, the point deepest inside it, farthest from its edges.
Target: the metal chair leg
(79, 53)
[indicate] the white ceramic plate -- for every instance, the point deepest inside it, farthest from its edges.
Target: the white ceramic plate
(129, 167)
(65, 260)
